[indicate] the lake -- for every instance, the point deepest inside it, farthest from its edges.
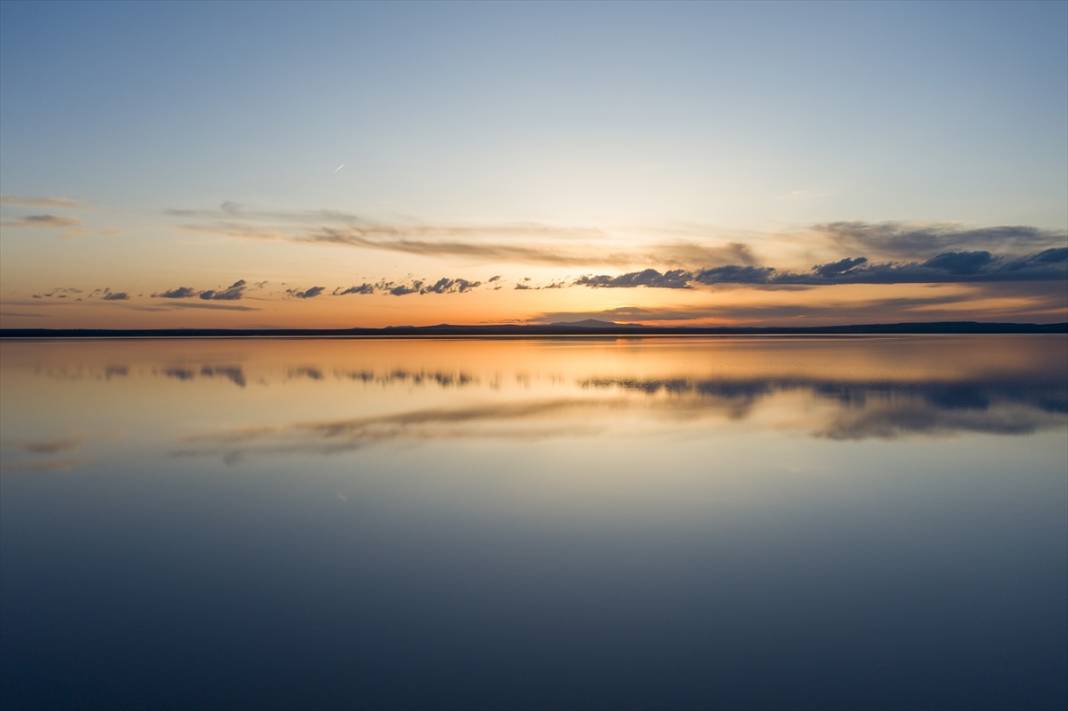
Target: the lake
(546, 523)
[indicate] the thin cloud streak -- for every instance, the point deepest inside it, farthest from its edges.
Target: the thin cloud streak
(53, 221)
(875, 240)
(22, 201)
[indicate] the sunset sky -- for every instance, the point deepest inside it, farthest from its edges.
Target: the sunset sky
(303, 165)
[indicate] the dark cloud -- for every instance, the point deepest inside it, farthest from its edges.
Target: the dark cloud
(309, 293)
(493, 278)
(403, 289)
(60, 292)
(215, 307)
(179, 373)
(305, 371)
(960, 267)
(115, 295)
(230, 293)
(651, 278)
(52, 446)
(179, 292)
(876, 409)
(734, 274)
(446, 285)
(960, 262)
(41, 221)
(842, 266)
(364, 288)
(233, 373)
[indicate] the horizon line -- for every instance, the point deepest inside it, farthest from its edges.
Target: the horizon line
(584, 327)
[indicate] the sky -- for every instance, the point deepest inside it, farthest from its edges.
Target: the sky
(335, 165)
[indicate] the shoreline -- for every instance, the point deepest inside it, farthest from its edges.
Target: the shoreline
(510, 331)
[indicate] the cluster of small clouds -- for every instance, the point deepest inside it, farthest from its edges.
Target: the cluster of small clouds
(444, 285)
(234, 292)
(672, 279)
(956, 267)
(71, 293)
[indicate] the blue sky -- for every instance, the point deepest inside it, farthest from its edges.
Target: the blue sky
(734, 119)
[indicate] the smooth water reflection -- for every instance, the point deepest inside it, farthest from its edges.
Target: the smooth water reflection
(536, 523)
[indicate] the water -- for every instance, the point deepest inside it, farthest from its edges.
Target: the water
(569, 523)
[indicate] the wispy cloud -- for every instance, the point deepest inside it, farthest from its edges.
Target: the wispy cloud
(52, 446)
(21, 201)
(541, 243)
(491, 420)
(371, 228)
(199, 305)
(47, 220)
(913, 241)
(495, 251)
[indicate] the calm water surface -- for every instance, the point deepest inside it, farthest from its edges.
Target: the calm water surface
(657, 523)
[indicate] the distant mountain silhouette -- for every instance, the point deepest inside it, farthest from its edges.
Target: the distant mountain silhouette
(593, 323)
(590, 327)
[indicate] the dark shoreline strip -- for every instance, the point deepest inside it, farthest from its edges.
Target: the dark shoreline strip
(445, 330)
